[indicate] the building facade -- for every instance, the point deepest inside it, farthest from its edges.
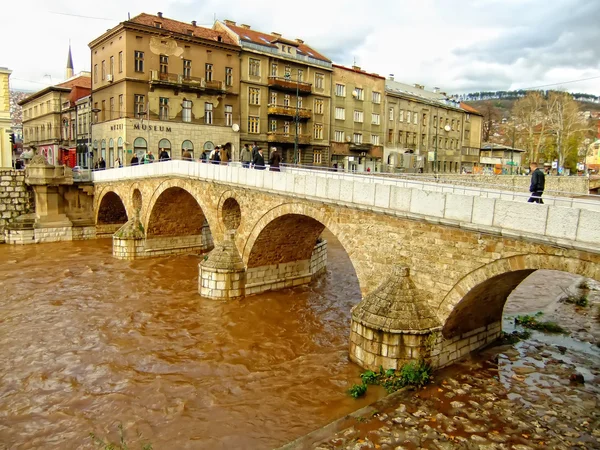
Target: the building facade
(285, 94)
(83, 112)
(500, 159)
(472, 139)
(6, 150)
(357, 120)
(160, 84)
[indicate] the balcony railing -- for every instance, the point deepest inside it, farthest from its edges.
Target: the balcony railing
(215, 85)
(290, 111)
(177, 80)
(360, 147)
(288, 138)
(286, 84)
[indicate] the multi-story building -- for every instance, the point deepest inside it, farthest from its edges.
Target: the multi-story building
(160, 84)
(83, 111)
(424, 129)
(357, 119)
(6, 150)
(285, 94)
(472, 135)
(49, 119)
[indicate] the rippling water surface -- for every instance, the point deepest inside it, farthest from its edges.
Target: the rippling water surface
(88, 342)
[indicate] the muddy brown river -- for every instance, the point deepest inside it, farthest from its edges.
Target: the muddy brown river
(88, 342)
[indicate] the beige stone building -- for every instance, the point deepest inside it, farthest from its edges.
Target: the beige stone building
(281, 78)
(160, 84)
(472, 139)
(5, 120)
(357, 119)
(425, 130)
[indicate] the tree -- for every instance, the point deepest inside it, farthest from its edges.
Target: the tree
(530, 113)
(491, 115)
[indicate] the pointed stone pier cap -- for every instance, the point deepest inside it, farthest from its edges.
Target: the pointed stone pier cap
(225, 257)
(133, 229)
(397, 306)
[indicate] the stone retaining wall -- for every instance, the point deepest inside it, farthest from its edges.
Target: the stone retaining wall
(84, 233)
(318, 259)
(448, 351)
(106, 231)
(15, 197)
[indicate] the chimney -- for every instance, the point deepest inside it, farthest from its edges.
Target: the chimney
(159, 14)
(275, 34)
(436, 90)
(299, 41)
(247, 27)
(193, 23)
(391, 77)
(229, 22)
(419, 86)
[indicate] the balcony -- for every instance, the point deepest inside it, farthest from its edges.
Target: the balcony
(179, 82)
(289, 111)
(362, 147)
(288, 85)
(215, 86)
(283, 138)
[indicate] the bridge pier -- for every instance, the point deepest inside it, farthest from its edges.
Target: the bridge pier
(393, 325)
(222, 274)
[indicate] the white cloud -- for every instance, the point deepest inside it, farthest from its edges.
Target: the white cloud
(458, 46)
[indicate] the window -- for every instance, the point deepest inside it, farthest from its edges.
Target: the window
(317, 156)
(254, 96)
(467, 118)
(208, 113)
(435, 121)
(120, 62)
(453, 122)
(273, 125)
(401, 116)
(299, 102)
(228, 76)
(340, 113)
(358, 116)
(164, 64)
(208, 72)
(186, 112)
(376, 97)
(103, 70)
(253, 124)
(391, 136)
(340, 90)
(139, 105)
(274, 69)
(358, 138)
(339, 136)
(286, 100)
(374, 139)
(360, 93)
(187, 68)
(228, 115)
(111, 67)
(415, 118)
(95, 73)
(424, 119)
(318, 131)
(288, 71)
(300, 75)
(111, 152)
(408, 117)
(139, 61)
(254, 67)
(375, 118)
(391, 113)
(286, 128)
(163, 108)
(319, 80)
(111, 106)
(318, 106)
(273, 100)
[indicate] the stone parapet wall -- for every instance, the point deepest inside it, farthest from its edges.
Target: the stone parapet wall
(15, 197)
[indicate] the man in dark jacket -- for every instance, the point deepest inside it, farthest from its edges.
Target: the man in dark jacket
(259, 161)
(274, 160)
(538, 183)
(164, 155)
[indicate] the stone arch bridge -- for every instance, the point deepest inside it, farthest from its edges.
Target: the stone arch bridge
(435, 263)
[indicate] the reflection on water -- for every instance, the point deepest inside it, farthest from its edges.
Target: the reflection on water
(89, 341)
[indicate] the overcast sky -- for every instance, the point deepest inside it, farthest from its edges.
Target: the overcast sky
(457, 45)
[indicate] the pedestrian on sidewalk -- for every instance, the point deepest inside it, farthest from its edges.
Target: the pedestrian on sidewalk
(246, 156)
(538, 183)
(259, 160)
(274, 160)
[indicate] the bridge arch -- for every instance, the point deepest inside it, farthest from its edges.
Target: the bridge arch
(289, 233)
(478, 299)
(111, 209)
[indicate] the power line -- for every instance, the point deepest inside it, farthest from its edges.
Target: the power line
(82, 16)
(561, 83)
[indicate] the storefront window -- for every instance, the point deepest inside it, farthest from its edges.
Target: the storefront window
(164, 144)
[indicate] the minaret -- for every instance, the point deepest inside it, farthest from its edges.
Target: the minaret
(69, 71)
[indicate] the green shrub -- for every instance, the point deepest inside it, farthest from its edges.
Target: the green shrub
(416, 374)
(532, 322)
(357, 390)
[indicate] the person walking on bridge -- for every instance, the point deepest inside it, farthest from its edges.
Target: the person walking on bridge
(259, 160)
(274, 160)
(538, 183)
(246, 156)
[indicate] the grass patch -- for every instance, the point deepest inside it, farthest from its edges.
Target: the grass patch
(121, 445)
(416, 374)
(577, 300)
(514, 337)
(534, 323)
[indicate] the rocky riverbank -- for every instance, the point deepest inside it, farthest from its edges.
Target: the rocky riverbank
(521, 396)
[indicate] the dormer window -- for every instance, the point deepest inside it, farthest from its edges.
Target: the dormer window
(158, 24)
(190, 32)
(220, 39)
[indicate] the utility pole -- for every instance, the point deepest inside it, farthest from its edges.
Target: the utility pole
(512, 149)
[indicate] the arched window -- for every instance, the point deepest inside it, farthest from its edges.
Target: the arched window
(103, 149)
(120, 149)
(111, 153)
(140, 147)
(187, 147)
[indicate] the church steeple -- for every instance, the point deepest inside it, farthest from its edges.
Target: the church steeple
(69, 71)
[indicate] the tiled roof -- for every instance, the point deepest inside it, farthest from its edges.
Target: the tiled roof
(469, 108)
(258, 37)
(352, 69)
(182, 28)
(403, 88)
(80, 81)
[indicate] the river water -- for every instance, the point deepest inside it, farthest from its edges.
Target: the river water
(89, 342)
